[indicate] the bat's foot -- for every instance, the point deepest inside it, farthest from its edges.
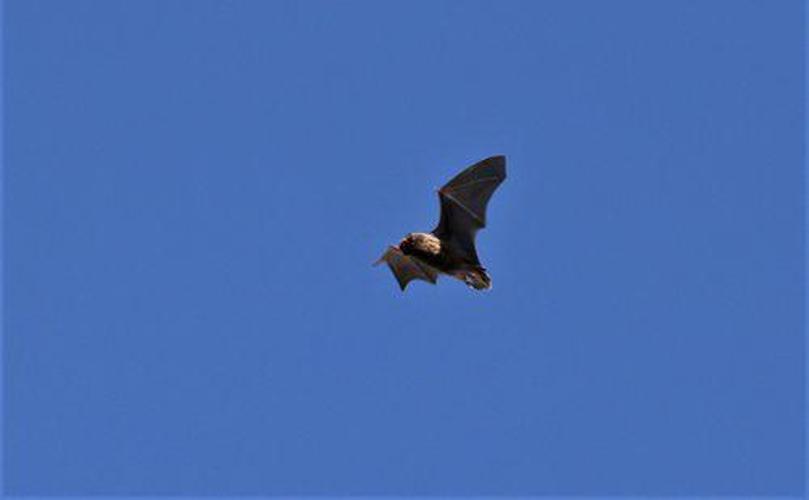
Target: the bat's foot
(478, 279)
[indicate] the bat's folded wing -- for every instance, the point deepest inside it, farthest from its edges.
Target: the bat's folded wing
(407, 269)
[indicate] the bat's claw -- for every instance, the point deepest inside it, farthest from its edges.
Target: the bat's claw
(478, 279)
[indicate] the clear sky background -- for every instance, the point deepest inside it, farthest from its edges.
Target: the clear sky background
(195, 192)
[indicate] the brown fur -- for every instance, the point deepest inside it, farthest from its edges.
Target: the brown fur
(421, 243)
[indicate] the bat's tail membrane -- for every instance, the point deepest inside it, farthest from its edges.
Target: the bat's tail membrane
(478, 279)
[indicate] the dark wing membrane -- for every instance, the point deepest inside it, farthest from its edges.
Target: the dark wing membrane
(407, 269)
(458, 227)
(463, 203)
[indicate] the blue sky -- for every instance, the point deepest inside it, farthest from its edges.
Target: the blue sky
(195, 192)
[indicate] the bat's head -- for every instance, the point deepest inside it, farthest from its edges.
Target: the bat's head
(406, 245)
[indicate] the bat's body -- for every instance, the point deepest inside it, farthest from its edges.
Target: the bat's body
(450, 248)
(444, 258)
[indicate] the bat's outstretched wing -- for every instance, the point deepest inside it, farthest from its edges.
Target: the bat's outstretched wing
(463, 204)
(407, 269)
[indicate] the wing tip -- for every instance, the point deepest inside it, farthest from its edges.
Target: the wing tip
(499, 163)
(384, 257)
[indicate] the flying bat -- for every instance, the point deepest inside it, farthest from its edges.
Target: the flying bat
(450, 247)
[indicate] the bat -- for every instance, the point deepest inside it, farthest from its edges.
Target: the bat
(450, 248)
